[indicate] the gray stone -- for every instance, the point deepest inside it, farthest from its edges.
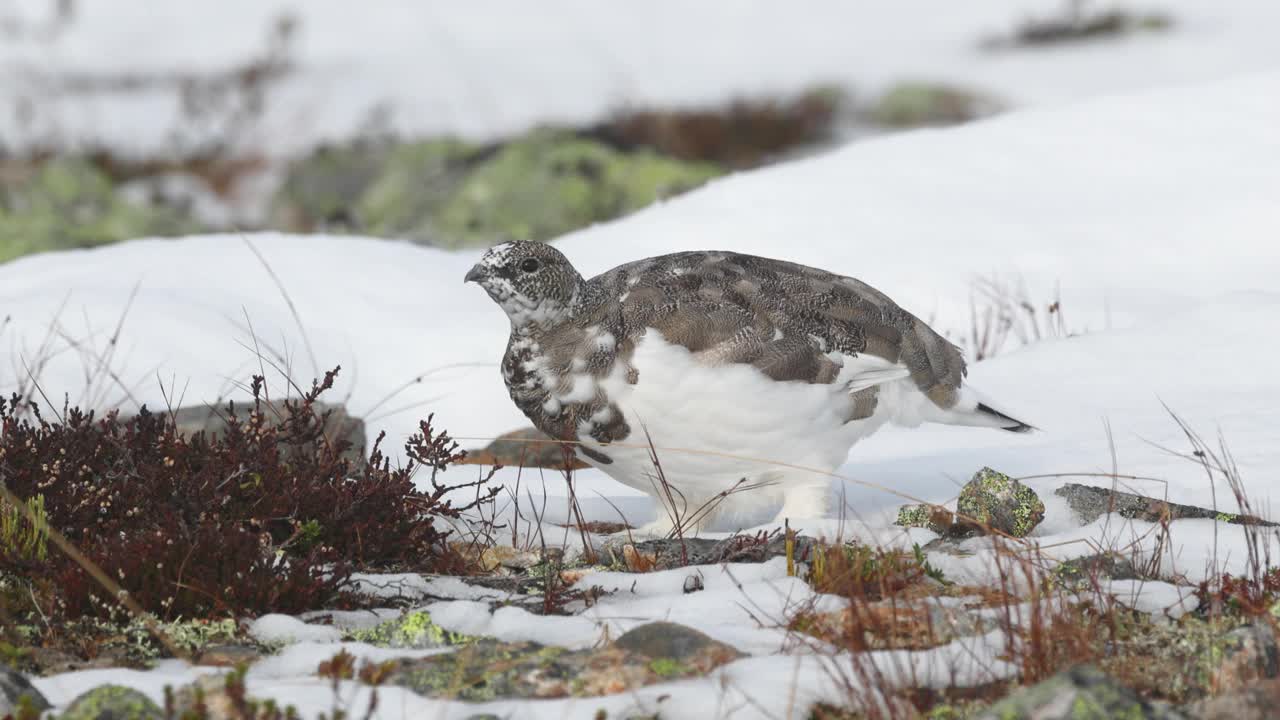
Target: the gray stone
(692, 584)
(1080, 693)
(524, 448)
(674, 552)
(112, 702)
(1090, 502)
(487, 670)
(993, 501)
(213, 420)
(14, 686)
(671, 640)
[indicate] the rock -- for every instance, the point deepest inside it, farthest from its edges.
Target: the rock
(505, 556)
(931, 517)
(67, 202)
(229, 655)
(339, 426)
(1076, 23)
(664, 554)
(547, 183)
(527, 448)
(1078, 573)
(488, 670)
(320, 190)
(414, 629)
(211, 692)
(659, 640)
(1248, 654)
(1090, 503)
(915, 104)
(449, 193)
(692, 584)
(993, 501)
(112, 702)
(1253, 702)
(16, 690)
(1080, 693)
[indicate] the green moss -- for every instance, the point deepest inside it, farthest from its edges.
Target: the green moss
(913, 516)
(24, 532)
(69, 203)
(668, 667)
(413, 629)
(112, 701)
(549, 183)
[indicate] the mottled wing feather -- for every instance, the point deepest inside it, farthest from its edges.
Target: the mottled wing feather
(780, 317)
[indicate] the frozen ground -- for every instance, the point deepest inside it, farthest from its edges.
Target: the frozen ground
(493, 67)
(1154, 214)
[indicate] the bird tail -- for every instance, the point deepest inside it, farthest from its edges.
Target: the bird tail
(973, 410)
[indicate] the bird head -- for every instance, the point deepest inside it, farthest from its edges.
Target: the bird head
(533, 283)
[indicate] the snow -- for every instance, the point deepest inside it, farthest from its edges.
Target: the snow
(493, 67)
(1152, 214)
(275, 628)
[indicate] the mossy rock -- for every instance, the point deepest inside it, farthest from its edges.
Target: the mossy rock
(321, 189)
(112, 702)
(450, 193)
(1080, 693)
(917, 104)
(68, 203)
(548, 183)
(414, 629)
(486, 670)
(993, 501)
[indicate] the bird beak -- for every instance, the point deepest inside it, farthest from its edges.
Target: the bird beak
(475, 274)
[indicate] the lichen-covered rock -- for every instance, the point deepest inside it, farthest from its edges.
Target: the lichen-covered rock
(924, 515)
(69, 203)
(320, 190)
(414, 629)
(1081, 693)
(488, 670)
(112, 702)
(548, 183)
(915, 104)
(993, 501)
(16, 690)
(667, 553)
(450, 193)
(1090, 502)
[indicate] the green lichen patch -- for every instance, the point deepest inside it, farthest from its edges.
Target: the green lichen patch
(994, 501)
(488, 670)
(414, 629)
(112, 702)
(69, 203)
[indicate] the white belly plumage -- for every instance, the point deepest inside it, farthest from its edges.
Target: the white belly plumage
(713, 426)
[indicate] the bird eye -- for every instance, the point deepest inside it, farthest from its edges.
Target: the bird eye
(530, 265)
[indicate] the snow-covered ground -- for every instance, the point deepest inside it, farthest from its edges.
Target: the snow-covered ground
(1154, 215)
(496, 66)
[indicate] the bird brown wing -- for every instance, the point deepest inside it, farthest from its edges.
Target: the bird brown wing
(783, 318)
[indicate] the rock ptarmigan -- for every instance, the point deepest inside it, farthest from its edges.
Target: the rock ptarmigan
(718, 360)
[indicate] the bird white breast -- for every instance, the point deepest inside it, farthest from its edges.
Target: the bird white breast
(714, 425)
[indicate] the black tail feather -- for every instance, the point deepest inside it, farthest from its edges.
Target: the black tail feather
(1014, 424)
